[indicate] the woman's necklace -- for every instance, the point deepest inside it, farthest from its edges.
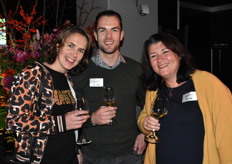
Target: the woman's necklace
(170, 92)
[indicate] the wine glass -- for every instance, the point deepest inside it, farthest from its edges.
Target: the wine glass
(158, 111)
(109, 100)
(81, 105)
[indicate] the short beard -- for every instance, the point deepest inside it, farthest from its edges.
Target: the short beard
(108, 52)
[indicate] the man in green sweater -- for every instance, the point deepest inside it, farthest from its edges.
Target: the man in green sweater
(121, 142)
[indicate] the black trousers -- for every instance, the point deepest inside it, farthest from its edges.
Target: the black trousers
(130, 158)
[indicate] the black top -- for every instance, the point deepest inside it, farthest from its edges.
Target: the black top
(115, 140)
(60, 147)
(181, 132)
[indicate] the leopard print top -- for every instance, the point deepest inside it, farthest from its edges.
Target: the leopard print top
(32, 124)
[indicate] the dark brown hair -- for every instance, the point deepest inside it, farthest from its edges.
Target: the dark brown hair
(108, 13)
(187, 67)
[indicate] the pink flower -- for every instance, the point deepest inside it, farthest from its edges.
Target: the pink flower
(56, 29)
(21, 56)
(48, 38)
(36, 54)
(7, 81)
(66, 22)
(36, 48)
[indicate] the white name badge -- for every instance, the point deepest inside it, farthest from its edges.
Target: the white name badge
(191, 96)
(96, 82)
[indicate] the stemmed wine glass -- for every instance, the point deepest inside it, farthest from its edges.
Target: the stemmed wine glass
(109, 99)
(81, 105)
(158, 111)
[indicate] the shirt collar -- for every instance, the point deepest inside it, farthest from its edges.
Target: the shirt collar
(98, 61)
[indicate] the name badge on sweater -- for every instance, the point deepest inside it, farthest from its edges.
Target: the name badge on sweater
(96, 82)
(191, 96)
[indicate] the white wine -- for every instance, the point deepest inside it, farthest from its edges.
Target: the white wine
(110, 103)
(159, 115)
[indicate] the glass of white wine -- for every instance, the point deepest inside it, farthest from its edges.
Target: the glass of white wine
(109, 99)
(158, 111)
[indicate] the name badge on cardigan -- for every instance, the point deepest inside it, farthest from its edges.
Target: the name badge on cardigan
(96, 82)
(191, 96)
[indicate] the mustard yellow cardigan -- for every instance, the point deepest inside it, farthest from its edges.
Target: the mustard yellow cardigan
(215, 101)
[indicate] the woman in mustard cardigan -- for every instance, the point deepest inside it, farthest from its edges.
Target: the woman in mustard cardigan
(198, 126)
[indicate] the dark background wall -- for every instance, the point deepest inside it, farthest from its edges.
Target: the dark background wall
(207, 35)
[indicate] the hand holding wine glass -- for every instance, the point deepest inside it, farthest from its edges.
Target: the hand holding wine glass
(109, 100)
(158, 111)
